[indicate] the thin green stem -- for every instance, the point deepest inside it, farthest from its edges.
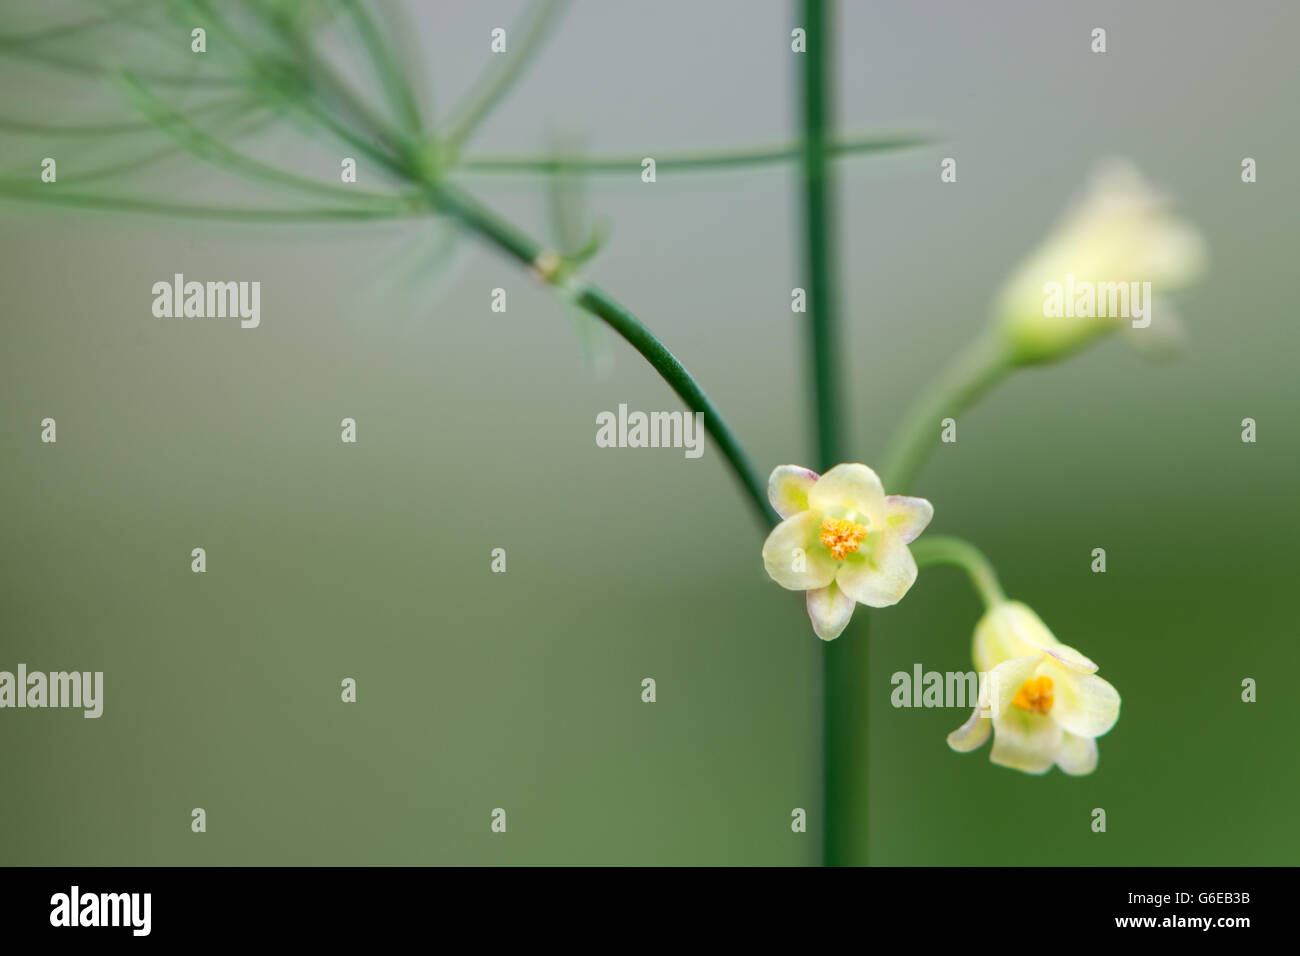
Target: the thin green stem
(236, 124)
(399, 92)
(301, 89)
(983, 364)
(687, 161)
(523, 40)
(213, 150)
(531, 253)
(55, 195)
(11, 125)
(844, 661)
(819, 229)
(58, 31)
(930, 550)
(406, 160)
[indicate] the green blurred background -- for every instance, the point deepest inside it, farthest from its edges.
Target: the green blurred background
(476, 431)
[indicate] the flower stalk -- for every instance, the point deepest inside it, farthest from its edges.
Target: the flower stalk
(983, 364)
(944, 549)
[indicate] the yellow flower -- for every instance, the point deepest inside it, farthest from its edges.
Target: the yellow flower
(843, 541)
(1117, 242)
(1040, 699)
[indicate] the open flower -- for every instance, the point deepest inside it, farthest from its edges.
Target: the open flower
(1117, 236)
(1041, 700)
(842, 541)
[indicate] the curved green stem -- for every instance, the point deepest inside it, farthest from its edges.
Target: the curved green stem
(930, 550)
(529, 252)
(405, 159)
(981, 366)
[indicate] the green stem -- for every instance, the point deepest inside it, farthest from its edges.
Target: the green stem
(400, 95)
(51, 195)
(406, 162)
(214, 150)
(844, 662)
(11, 125)
(303, 90)
(981, 366)
(930, 550)
(45, 34)
(819, 229)
(529, 252)
(687, 161)
(523, 41)
(236, 125)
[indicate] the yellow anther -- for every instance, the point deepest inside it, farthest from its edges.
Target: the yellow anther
(1035, 695)
(842, 537)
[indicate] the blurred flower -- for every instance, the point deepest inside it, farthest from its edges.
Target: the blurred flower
(1117, 237)
(1041, 700)
(843, 541)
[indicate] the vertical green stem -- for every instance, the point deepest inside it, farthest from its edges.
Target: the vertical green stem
(819, 227)
(844, 664)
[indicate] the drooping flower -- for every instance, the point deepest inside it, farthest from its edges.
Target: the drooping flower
(842, 541)
(1040, 699)
(1118, 236)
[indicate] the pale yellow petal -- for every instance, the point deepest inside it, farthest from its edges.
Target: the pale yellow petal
(880, 577)
(972, 734)
(1070, 659)
(1078, 755)
(1025, 741)
(908, 516)
(788, 487)
(1012, 629)
(830, 610)
(1083, 704)
(794, 557)
(853, 488)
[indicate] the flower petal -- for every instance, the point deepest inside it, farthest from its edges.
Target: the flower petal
(1164, 338)
(1007, 631)
(788, 487)
(851, 487)
(1007, 678)
(830, 610)
(1083, 704)
(1070, 659)
(1025, 741)
(794, 557)
(908, 516)
(881, 577)
(1078, 755)
(972, 734)
(1012, 629)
